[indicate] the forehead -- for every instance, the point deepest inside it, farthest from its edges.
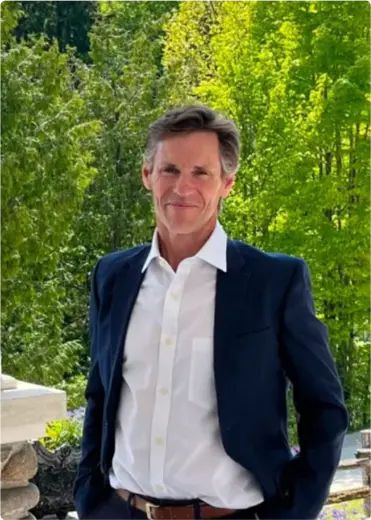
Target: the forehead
(194, 147)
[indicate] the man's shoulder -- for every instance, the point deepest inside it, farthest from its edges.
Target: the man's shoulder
(269, 262)
(124, 254)
(117, 259)
(251, 252)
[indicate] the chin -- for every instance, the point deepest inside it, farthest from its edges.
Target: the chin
(182, 228)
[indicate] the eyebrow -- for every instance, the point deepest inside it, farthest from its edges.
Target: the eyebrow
(168, 165)
(174, 166)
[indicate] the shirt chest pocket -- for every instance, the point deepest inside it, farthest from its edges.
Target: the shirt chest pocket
(201, 387)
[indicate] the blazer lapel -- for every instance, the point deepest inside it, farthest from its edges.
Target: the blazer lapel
(124, 294)
(230, 297)
(231, 320)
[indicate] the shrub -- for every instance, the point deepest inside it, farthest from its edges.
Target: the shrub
(75, 390)
(65, 431)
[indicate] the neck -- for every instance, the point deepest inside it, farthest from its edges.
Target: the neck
(176, 247)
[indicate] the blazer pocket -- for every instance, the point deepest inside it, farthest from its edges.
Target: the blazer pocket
(201, 386)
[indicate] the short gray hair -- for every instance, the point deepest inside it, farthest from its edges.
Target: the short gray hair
(195, 118)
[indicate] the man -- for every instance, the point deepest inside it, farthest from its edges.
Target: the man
(193, 341)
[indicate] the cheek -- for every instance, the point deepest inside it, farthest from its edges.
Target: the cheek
(211, 194)
(161, 189)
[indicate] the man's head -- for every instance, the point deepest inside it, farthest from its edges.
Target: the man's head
(191, 159)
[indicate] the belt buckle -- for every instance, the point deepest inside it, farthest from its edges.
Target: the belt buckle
(148, 510)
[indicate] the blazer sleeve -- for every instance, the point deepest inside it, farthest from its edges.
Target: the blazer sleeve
(318, 398)
(90, 486)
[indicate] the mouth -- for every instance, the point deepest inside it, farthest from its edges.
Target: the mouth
(179, 205)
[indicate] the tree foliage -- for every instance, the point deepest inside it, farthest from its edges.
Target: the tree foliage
(46, 167)
(67, 22)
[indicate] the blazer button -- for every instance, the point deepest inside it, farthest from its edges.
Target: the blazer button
(285, 496)
(284, 493)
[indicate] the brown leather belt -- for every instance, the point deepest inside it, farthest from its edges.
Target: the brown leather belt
(155, 512)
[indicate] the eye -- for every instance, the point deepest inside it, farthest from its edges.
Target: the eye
(201, 172)
(170, 169)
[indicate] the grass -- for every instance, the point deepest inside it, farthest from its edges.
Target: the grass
(352, 510)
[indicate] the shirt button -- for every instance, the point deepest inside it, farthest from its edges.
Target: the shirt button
(174, 295)
(159, 441)
(168, 342)
(164, 391)
(160, 488)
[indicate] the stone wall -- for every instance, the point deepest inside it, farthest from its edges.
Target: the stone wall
(25, 411)
(18, 466)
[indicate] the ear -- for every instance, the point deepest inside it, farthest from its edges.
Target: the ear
(146, 176)
(228, 184)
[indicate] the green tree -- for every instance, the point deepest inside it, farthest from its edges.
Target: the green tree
(67, 22)
(46, 157)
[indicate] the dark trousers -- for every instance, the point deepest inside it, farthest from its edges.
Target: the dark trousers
(116, 508)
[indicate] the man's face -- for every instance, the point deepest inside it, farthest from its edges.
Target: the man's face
(186, 181)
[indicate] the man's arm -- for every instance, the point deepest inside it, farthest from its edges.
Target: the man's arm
(318, 398)
(89, 486)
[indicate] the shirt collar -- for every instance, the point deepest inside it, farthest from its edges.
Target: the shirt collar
(154, 251)
(214, 251)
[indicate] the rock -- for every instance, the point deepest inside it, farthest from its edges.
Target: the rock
(16, 503)
(7, 450)
(18, 464)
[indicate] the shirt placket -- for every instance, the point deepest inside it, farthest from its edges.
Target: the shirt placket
(163, 394)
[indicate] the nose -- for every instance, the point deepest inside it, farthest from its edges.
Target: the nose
(183, 186)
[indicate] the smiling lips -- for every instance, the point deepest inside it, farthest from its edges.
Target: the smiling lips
(181, 205)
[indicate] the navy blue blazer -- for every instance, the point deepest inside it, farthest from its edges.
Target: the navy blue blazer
(265, 333)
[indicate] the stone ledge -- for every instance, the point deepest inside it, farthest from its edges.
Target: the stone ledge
(7, 382)
(24, 389)
(26, 409)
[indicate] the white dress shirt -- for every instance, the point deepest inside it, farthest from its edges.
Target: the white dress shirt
(167, 440)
